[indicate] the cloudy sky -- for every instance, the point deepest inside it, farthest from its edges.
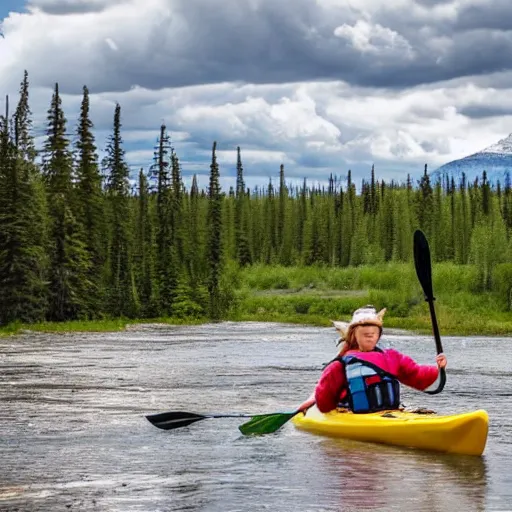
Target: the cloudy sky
(321, 86)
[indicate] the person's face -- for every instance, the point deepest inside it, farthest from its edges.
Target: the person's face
(367, 337)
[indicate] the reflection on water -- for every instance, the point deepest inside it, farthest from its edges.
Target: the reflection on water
(374, 477)
(73, 434)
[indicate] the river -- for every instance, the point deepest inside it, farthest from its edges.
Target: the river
(73, 435)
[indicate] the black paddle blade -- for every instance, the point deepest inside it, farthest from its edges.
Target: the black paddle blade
(174, 419)
(266, 423)
(423, 264)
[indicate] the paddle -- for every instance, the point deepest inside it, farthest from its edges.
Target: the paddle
(424, 273)
(266, 423)
(176, 419)
(269, 423)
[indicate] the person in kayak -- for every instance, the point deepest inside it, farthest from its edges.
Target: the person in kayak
(365, 378)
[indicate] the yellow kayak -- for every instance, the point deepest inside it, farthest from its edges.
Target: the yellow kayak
(464, 433)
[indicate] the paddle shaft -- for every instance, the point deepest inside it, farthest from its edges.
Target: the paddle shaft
(439, 348)
(176, 419)
(435, 328)
(234, 415)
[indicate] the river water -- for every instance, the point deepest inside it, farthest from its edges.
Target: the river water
(73, 435)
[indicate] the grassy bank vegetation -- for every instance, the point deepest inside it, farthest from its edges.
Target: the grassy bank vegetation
(315, 295)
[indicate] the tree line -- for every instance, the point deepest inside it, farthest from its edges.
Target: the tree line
(78, 242)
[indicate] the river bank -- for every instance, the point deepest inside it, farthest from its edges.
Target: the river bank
(315, 295)
(451, 322)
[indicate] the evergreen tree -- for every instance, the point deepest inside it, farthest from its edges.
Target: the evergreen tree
(23, 227)
(315, 250)
(243, 252)
(348, 222)
(196, 264)
(23, 139)
(402, 242)
(176, 219)
(507, 203)
(286, 222)
(283, 194)
(486, 190)
(338, 213)
(120, 286)
(215, 252)
(269, 225)
(90, 204)
(143, 250)
(452, 236)
(488, 248)
(425, 204)
(69, 261)
(303, 216)
(388, 234)
(359, 242)
(228, 221)
(440, 235)
(165, 249)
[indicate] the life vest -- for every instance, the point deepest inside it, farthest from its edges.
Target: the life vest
(370, 389)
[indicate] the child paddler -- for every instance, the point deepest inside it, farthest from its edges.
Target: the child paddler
(364, 377)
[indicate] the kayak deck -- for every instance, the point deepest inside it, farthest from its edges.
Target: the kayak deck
(464, 433)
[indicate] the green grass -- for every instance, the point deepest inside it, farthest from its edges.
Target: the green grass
(105, 325)
(316, 295)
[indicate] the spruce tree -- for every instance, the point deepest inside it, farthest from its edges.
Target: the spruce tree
(90, 204)
(303, 214)
(70, 265)
(507, 203)
(402, 241)
(23, 139)
(143, 250)
(121, 300)
(197, 268)
(388, 234)
(425, 204)
(486, 191)
(23, 225)
(165, 242)
(269, 225)
(283, 194)
(243, 253)
(176, 219)
(215, 252)
(348, 222)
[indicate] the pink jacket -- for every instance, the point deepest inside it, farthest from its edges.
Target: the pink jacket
(332, 386)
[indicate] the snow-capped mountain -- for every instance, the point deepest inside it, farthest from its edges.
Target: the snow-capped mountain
(496, 160)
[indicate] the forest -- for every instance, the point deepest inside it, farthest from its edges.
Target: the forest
(79, 242)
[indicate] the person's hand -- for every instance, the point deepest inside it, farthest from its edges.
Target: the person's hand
(304, 406)
(441, 360)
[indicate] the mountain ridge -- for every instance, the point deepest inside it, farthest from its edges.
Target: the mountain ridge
(495, 159)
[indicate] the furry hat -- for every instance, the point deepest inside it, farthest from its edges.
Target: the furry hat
(366, 315)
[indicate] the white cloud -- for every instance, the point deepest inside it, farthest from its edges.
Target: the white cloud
(140, 157)
(253, 156)
(374, 38)
(283, 80)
